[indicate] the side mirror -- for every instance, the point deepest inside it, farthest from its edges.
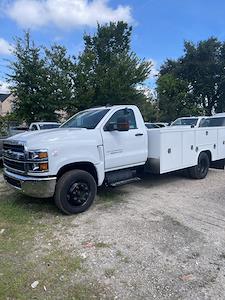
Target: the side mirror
(110, 127)
(123, 124)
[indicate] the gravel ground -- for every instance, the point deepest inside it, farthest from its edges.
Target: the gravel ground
(165, 239)
(161, 238)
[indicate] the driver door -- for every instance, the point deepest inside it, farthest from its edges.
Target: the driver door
(123, 148)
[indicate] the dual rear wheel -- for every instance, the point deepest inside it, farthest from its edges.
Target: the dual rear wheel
(201, 169)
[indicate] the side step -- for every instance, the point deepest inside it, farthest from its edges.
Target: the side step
(122, 182)
(116, 178)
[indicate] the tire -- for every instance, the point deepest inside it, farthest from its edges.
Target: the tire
(75, 192)
(201, 170)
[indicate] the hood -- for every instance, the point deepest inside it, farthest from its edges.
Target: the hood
(46, 138)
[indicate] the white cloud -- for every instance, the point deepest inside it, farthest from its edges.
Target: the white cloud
(5, 47)
(146, 90)
(4, 87)
(65, 13)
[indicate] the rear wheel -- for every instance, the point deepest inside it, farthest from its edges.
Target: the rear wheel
(201, 170)
(75, 192)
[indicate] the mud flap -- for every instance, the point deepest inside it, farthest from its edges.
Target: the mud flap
(218, 164)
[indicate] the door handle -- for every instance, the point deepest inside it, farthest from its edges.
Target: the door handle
(139, 134)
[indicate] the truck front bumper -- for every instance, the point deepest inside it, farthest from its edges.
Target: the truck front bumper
(37, 187)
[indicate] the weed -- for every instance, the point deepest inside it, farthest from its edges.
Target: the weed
(101, 245)
(124, 258)
(110, 272)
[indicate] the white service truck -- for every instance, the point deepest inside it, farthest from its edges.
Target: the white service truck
(106, 145)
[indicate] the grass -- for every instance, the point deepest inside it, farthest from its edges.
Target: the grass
(123, 257)
(55, 273)
(62, 261)
(22, 221)
(27, 226)
(109, 197)
(20, 226)
(110, 272)
(101, 245)
(119, 253)
(91, 290)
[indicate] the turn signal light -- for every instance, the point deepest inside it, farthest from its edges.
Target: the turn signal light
(43, 166)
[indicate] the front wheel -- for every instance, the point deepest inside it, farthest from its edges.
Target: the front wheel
(75, 192)
(201, 170)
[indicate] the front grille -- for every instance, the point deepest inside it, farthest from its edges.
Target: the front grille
(15, 165)
(18, 160)
(14, 156)
(13, 147)
(12, 181)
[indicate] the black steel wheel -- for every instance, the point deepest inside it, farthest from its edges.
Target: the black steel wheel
(75, 191)
(78, 193)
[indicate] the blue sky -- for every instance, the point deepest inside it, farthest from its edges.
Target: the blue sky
(159, 26)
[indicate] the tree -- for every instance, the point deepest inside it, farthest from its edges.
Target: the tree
(48, 81)
(39, 80)
(3, 126)
(107, 71)
(10, 119)
(175, 98)
(61, 71)
(150, 111)
(202, 71)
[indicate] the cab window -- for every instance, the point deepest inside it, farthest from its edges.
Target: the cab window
(213, 122)
(123, 113)
(34, 127)
(201, 122)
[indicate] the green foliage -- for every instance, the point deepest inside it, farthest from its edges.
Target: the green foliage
(5, 121)
(194, 82)
(48, 81)
(175, 98)
(107, 71)
(28, 80)
(38, 80)
(61, 70)
(150, 111)
(3, 126)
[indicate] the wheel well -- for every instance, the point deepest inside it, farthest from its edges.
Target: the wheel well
(85, 166)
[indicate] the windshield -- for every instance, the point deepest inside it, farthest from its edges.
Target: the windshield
(48, 126)
(213, 122)
(184, 122)
(86, 119)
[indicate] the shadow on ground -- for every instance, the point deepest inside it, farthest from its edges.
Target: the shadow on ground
(106, 196)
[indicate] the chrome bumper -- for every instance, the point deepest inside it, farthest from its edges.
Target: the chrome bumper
(31, 186)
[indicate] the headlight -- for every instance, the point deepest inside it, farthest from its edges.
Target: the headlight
(37, 161)
(38, 154)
